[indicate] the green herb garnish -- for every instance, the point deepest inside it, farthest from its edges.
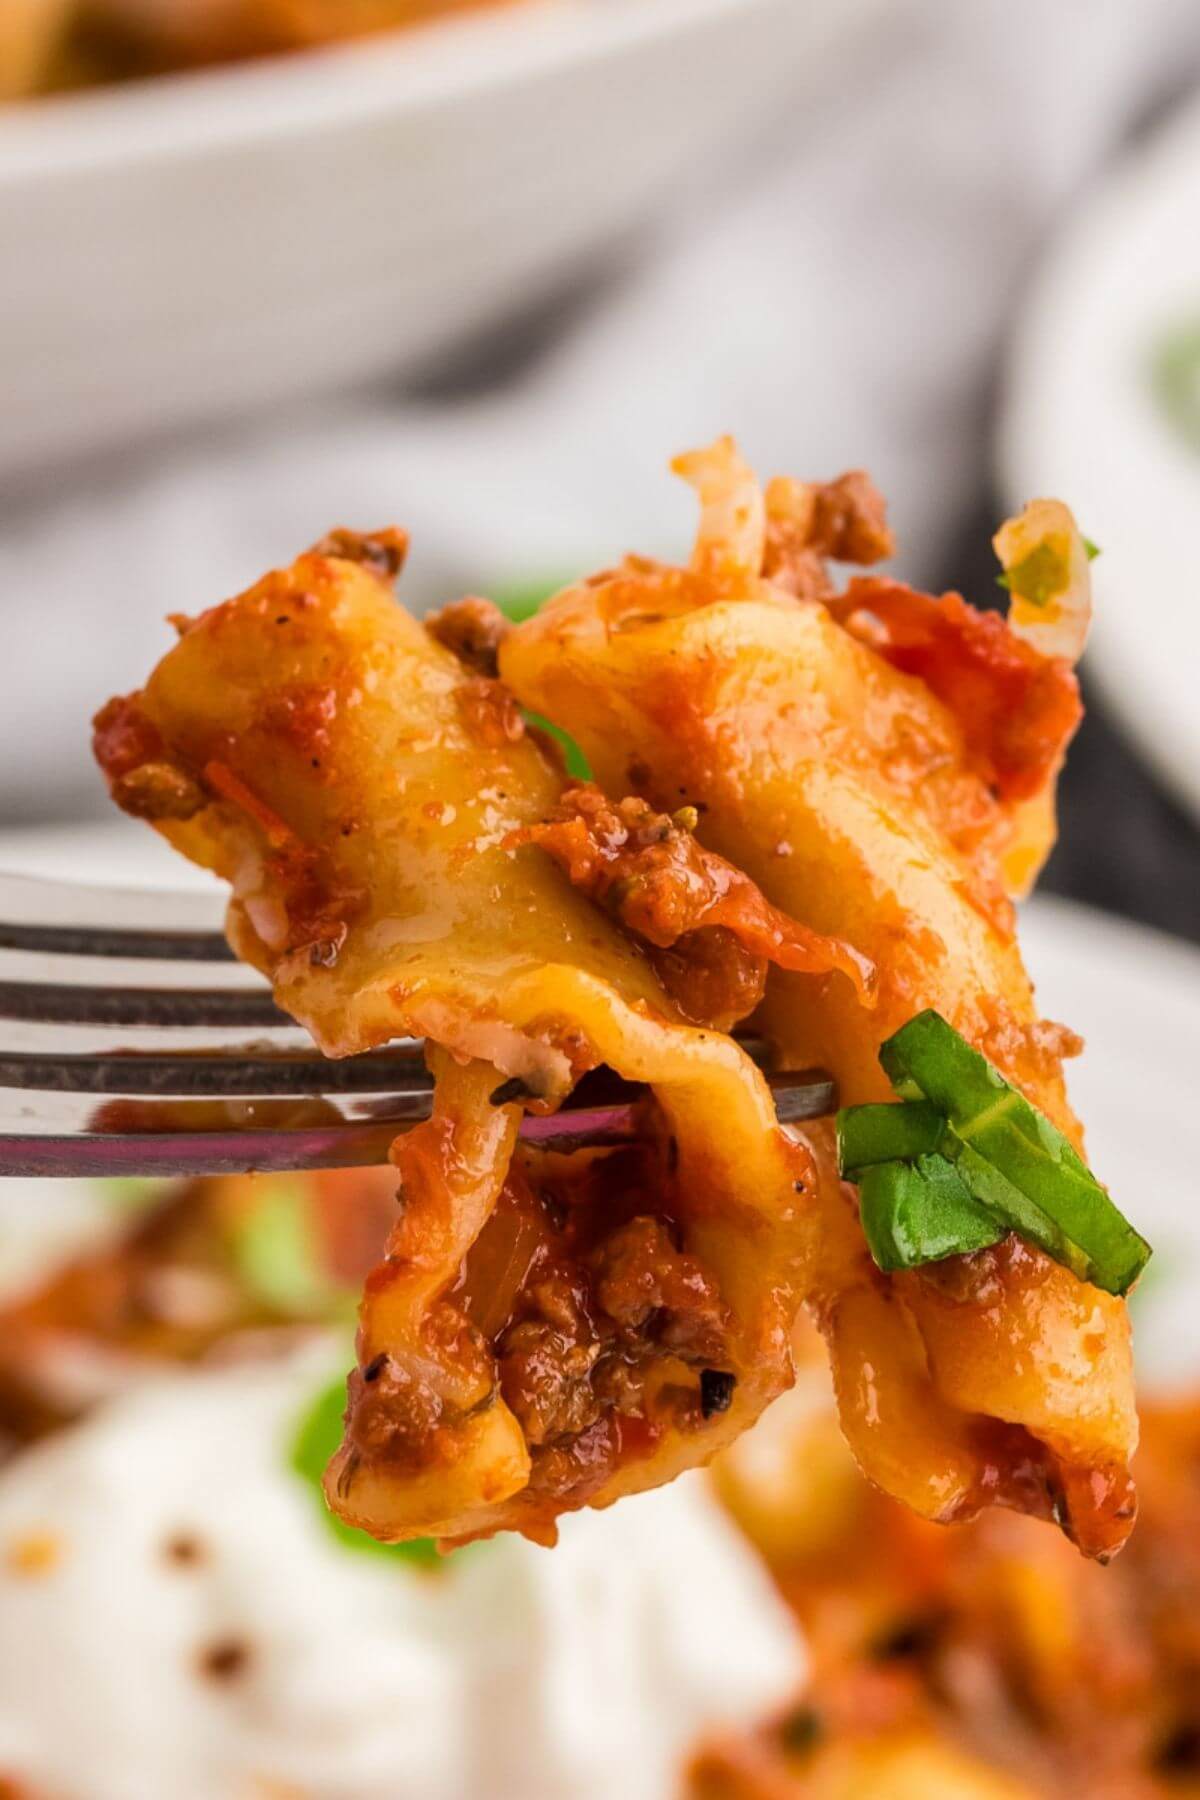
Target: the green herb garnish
(920, 1211)
(1008, 1161)
(1175, 378)
(1039, 577)
(577, 763)
(277, 1255)
(317, 1437)
(130, 1193)
(887, 1133)
(801, 1731)
(521, 602)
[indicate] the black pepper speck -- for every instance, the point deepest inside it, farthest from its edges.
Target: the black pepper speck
(716, 1391)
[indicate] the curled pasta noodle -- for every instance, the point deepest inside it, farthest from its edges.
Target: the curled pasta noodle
(545, 1331)
(881, 764)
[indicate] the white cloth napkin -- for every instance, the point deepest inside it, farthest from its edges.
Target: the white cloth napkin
(843, 303)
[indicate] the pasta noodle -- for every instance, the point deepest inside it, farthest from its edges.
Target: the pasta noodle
(881, 764)
(545, 1330)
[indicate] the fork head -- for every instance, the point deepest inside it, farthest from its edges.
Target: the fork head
(132, 1043)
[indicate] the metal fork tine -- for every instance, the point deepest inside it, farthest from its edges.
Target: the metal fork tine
(236, 1009)
(71, 968)
(178, 1152)
(220, 1074)
(69, 1134)
(84, 920)
(50, 1038)
(40, 984)
(227, 1071)
(93, 979)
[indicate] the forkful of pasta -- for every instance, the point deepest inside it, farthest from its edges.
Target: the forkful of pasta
(562, 999)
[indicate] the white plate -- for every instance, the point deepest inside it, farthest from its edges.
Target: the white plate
(1133, 994)
(1082, 420)
(180, 249)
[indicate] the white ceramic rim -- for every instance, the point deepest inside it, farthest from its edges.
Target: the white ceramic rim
(1162, 720)
(174, 116)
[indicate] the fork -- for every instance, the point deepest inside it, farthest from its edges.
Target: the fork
(132, 1042)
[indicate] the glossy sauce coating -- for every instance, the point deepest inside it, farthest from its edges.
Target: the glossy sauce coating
(404, 859)
(859, 799)
(983, 1661)
(652, 873)
(366, 794)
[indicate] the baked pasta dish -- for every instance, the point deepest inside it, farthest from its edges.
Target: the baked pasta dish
(984, 1663)
(217, 1269)
(809, 810)
(180, 1614)
(49, 45)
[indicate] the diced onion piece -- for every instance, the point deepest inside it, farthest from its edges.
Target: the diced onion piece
(1046, 571)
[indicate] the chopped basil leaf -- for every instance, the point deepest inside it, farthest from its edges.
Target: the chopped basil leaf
(577, 763)
(887, 1133)
(1011, 1157)
(1020, 1214)
(521, 602)
(921, 1211)
(962, 1129)
(317, 1436)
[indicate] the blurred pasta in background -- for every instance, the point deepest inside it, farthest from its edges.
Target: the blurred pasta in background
(47, 46)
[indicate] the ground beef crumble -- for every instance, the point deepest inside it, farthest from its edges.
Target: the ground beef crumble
(589, 1335)
(474, 630)
(579, 1306)
(710, 930)
(810, 523)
